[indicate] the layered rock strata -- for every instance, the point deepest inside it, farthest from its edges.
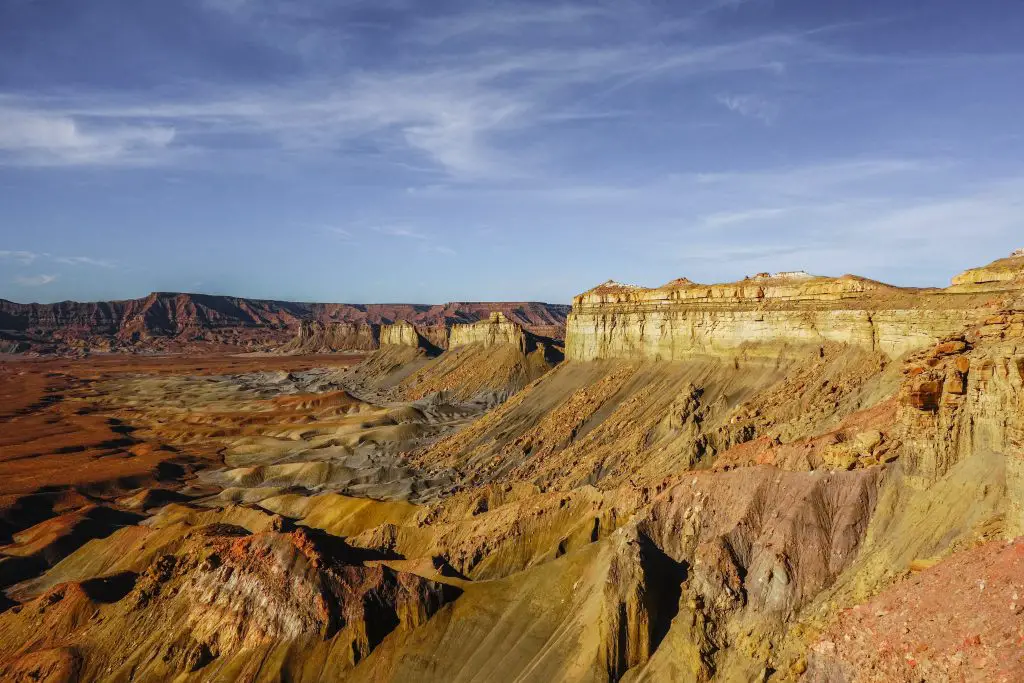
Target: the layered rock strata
(682, 319)
(497, 330)
(1007, 270)
(318, 337)
(401, 333)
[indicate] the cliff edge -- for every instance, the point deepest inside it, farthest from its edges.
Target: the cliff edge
(682, 318)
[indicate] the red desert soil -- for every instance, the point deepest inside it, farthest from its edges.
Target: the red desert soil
(907, 634)
(53, 441)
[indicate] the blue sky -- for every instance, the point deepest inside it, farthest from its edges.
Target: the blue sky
(392, 150)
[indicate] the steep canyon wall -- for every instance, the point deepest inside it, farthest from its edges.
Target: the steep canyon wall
(682, 319)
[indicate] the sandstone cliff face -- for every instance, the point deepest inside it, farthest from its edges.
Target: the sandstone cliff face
(672, 335)
(485, 361)
(318, 337)
(1005, 270)
(497, 330)
(683, 319)
(400, 334)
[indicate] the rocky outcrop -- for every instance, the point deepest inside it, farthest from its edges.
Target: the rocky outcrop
(11, 343)
(1007, 270)
(966, 396)
(318, 337)
(497, 330)
(219, 604)
(683, 319)
(401, 334)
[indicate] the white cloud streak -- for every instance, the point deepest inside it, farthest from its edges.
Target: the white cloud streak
(504, 20)
(23, 257)
(83, 261)
(35, 280)
(341, 233)
(456, 115)
(29, 257)
(751, 106)
(440, 249)
(34, 137)
(400, 231)
(860, 217)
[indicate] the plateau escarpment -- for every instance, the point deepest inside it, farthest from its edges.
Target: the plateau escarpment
(683, 319)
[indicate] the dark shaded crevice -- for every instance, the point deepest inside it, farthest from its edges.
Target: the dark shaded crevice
(26, 512)
(663, 578)
(339, 550)
(110, 589)
(98, 522)
(381, 619)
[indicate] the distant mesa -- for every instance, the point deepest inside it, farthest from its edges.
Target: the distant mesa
(497, 330)
(1006, 271)
(403, 334)
(785, 275)
(319, 337)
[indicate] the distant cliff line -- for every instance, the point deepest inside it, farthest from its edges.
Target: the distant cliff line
(167, 321)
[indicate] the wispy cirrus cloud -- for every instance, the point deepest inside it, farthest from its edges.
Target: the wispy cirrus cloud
(83, 261)
(24, 257)
(32, 136)
(751, 106)
(863, 216)
(440, 249)
(400, 231)
(459, 114)
(35, 280)
(461, 91)
(411, 236)
(509, 21)
(867, 215)
(29, 257)
(340, 233)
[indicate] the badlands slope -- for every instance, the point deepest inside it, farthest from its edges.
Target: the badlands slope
(785, 478)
